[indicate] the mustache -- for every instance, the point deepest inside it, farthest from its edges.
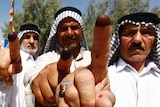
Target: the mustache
(69, 37)
(32, 45)
(136, 46)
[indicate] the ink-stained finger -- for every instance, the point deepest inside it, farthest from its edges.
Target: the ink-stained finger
(100, 48)
(64, 63)
(102, 33)
(14, 47)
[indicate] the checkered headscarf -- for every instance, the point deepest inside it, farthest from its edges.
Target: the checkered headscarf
(28, 28)
(59, 16)
(137, 19)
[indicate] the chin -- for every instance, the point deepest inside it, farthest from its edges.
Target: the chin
(73, 46)
(31, 51)
(137, 58)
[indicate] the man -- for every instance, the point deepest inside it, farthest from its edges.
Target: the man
(62, 34)
(67, 32)
(14, 96)
(134, 61)
(10, 64)
(29, 41)
(29, 49)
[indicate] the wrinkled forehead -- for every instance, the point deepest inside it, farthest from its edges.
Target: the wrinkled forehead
(30, 34)
(27, 35)
(141, 26)
(68, 20)
(135, 26)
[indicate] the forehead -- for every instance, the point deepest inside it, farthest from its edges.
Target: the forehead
(67, 20)
(129, 25)
(30, 33)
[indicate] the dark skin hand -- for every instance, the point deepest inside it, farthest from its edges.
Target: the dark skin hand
(10, 59)
(51, 76)
(93, 77)
(91, 82)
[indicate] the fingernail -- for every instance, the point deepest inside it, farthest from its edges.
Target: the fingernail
(12, 36)
(66, 54)
(103, 20)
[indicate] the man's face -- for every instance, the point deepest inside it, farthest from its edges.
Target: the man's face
(69, 33)
(29, 42)
(136, 42)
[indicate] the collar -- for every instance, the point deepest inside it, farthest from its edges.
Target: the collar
(80, 55)
(26, 55)
(121, 65)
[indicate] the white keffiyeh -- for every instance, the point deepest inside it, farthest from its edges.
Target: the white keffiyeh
(61, 14)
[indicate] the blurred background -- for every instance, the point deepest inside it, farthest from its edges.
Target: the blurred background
(41, 13)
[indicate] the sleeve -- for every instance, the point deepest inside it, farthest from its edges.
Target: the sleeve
(41, 62)
(33, 71)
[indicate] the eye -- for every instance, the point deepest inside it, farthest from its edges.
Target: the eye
(64, 28)
(148, 32)
(35, 37)
(74, 27)
(26, 36)
(128, 32)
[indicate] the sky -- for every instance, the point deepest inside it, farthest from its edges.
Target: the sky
(5, 6)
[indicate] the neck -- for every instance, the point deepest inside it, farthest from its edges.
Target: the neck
(138, 65)
(75, 52)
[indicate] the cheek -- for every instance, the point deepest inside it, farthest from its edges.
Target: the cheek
(123, 47)
(150, 42)
(24, 42)
(36, 42)
(79, 35)
(124, 43)
(59, 39)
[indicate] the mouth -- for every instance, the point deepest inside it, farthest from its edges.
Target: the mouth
(136, 48)
(69, 40)
(31, 47)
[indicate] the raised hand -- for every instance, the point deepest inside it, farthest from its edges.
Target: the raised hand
(46, 82)
(90, 86)
(10, 59)
(98, 67)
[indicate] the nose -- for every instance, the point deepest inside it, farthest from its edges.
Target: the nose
(69, 32)
(137, 38)
(31, 39)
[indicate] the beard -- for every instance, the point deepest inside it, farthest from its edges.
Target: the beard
(31, 49)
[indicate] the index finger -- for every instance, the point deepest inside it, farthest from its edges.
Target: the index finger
(100, 48)
(14, 47)
(64, 63)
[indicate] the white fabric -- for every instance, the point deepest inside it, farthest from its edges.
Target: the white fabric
(14, 96)
(21, 33)
(134, 89)
(27, 62)
(83, 59)
(8, 94)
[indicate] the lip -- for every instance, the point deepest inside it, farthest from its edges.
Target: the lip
(136, 51)
(69, 40)
(136, 48)
(30, 47)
